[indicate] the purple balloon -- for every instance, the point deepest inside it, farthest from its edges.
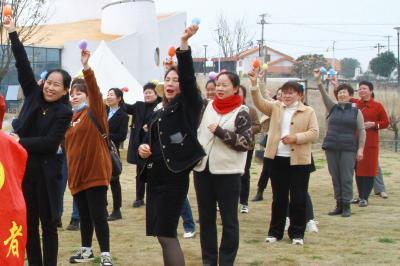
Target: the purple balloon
(212, 75)
(83, 44)
(196, 21)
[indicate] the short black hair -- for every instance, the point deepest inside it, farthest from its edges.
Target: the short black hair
(292, 85)
(65, 75)
(344, 87)
(367, 83)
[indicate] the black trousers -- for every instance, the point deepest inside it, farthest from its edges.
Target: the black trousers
(288, 180)
(140, 184)
(93, 214)
(116, 193)
(264, 176)
(364, 186)
(38, 209)
(245, 180)
(223, 189)
(309, 209)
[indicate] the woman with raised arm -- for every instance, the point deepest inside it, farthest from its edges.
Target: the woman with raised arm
(293, 128)
(171, 150)
(40, 129)
(345, 124)
(89, 164)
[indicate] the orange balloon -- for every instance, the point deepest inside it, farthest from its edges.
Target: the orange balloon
(171, 51)
(7, 11)
(256, 63)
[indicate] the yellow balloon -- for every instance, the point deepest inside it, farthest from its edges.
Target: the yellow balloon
(265, 66)
(2, 175)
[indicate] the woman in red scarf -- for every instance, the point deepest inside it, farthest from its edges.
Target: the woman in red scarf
(225, 135)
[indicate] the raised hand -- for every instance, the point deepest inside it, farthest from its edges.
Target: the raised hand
(252, 77)
(85, 55)
(317, 76)
(9, 24)
(189, 32)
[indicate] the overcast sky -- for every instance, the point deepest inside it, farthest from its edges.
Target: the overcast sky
(301, 27)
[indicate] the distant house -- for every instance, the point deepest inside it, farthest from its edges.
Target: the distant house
(335, 63)
(279, 64)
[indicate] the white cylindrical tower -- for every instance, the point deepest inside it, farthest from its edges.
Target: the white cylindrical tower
(138, 17)
(66, 11)
(124, 17)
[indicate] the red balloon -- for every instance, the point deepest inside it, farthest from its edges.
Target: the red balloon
(125, 89)
(256, 63)
(171, 51)
(7, 11)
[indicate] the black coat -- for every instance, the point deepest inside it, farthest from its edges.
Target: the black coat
(141, 113)
(177, 123)
(41, 140)
(118, 126)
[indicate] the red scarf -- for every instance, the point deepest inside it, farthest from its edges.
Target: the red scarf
(224, 106)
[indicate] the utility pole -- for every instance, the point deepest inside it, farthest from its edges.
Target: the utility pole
(333, 55)
(262, 22)
(388, 42)
(205, 58)
(379, 46)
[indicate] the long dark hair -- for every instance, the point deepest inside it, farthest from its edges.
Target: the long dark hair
(120, 94)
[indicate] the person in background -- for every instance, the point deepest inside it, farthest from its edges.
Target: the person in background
(375, 119)
(225, 135)
(379, 185)
(40, 128)
(170, 150)
(89, 165)
(255, 129)
(210, 89)
(141, 113)
(265, 120)
(118, 128)
(189, 225)
(293, 128)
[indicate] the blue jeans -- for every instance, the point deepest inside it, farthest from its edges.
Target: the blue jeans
(64, 173)
(186, 213)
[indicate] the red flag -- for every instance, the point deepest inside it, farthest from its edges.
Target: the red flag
(13, 231)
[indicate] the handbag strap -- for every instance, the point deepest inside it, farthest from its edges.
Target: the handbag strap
(97, 125)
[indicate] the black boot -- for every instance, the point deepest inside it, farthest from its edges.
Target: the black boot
(346, 209)
(259, 195)
(338, 209)
(115, 215)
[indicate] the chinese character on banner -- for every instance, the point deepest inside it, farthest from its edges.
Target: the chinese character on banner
(12, 205)
(12, 241)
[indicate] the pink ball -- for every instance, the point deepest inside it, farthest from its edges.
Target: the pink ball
(212, 75)
(83, 44)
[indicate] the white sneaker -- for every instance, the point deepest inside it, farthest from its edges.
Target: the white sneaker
(105, 260)
(271, 239)
(287, 224)
(82, 255)
(244, 209)
(312, 226)
(297, 241)
(189, 234)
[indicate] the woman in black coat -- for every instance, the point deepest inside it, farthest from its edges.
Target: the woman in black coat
(141, 113)
(40, 128)
(171, 150)
(118, 128)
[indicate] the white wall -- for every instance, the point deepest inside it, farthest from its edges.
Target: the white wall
(71, 56)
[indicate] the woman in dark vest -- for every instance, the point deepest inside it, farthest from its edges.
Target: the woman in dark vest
(118, 128)
(141, 113)
(171, 150)
(342, 150)
(40, 128)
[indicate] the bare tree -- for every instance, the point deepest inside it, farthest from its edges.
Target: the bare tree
(232, 40)
(28, 16)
